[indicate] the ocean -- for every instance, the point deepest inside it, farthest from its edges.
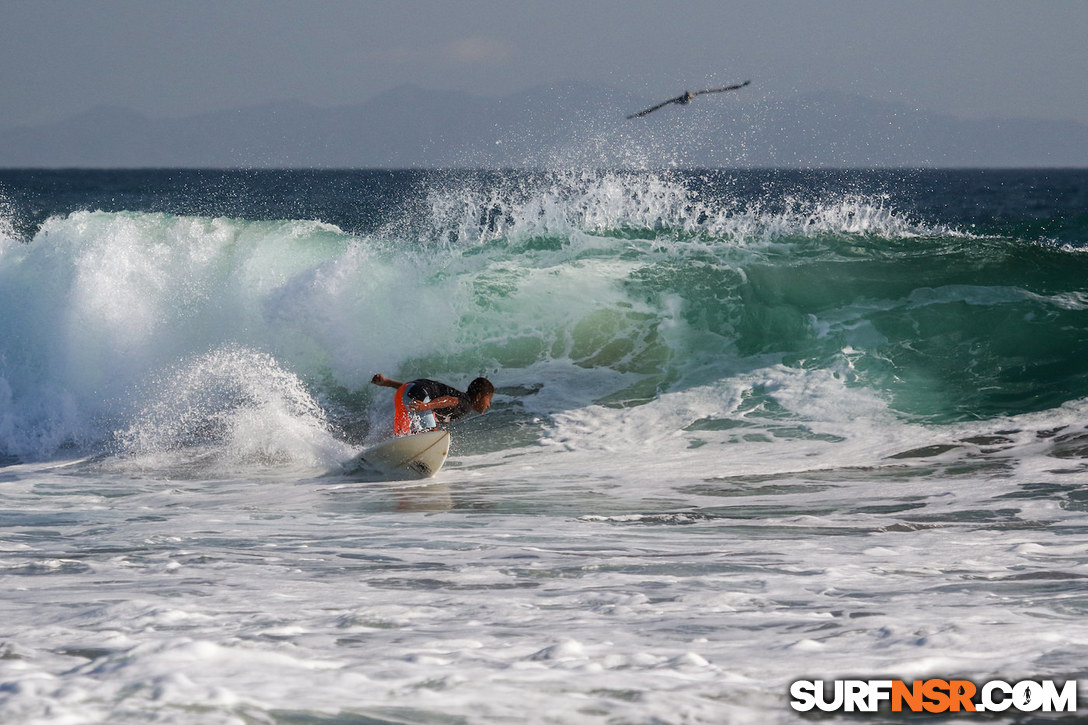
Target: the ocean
(751, 427)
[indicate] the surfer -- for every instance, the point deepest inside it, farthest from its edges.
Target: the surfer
(687, 98)
(425, 404)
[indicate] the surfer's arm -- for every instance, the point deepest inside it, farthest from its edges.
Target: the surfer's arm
(446, 401)
(385, 382)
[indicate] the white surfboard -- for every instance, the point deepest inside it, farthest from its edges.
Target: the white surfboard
(413, 456)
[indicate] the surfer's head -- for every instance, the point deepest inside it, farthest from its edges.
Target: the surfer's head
(479, 392)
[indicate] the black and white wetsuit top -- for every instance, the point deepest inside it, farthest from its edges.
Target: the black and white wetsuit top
(428, 390)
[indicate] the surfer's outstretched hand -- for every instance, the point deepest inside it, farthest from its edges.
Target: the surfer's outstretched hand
(385, 382)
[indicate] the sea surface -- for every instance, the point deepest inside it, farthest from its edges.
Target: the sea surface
(751, 427)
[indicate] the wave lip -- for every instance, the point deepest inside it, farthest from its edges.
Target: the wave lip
(644, 206)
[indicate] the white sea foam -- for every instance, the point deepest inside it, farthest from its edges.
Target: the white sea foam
(502, 615)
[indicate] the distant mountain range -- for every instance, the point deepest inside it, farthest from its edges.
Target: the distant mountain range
(550, 127)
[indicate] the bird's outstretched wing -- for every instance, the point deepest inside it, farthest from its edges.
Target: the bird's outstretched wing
(686, 98)
(720, 90)
(651, 109)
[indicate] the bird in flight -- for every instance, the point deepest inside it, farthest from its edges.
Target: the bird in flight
(687, 98)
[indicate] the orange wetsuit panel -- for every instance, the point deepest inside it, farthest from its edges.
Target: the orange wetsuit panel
(402, 421)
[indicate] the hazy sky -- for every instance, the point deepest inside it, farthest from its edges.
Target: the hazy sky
(970, 58)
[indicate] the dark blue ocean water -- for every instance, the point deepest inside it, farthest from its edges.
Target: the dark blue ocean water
(1047, 203)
